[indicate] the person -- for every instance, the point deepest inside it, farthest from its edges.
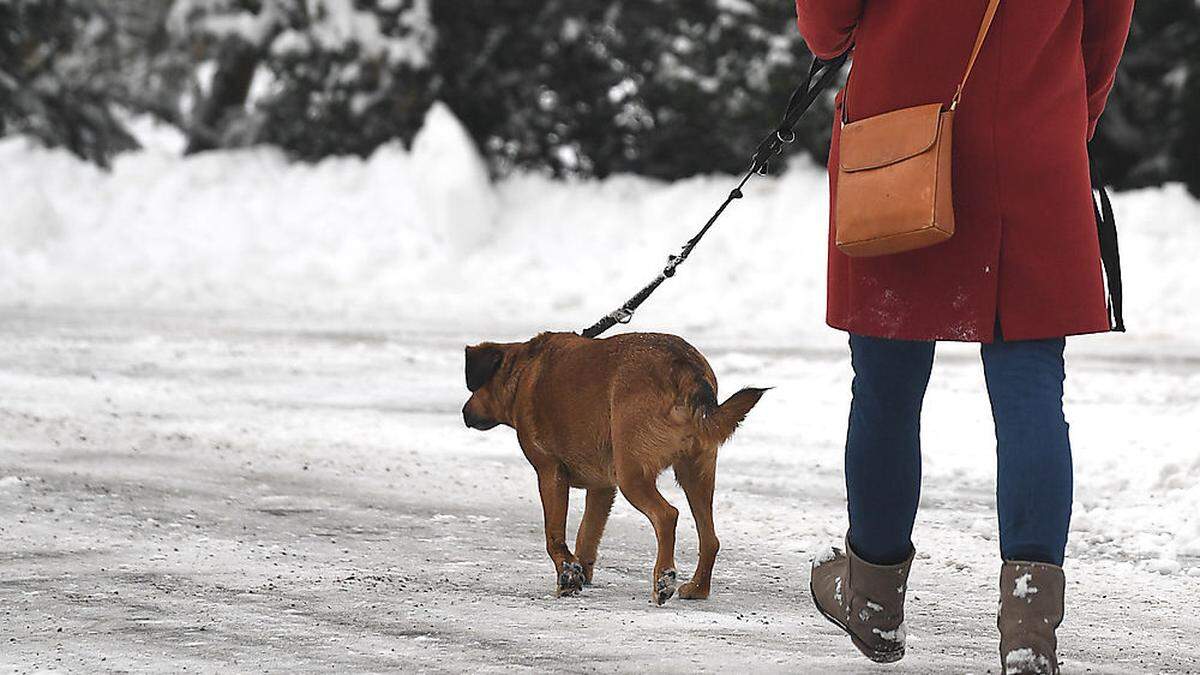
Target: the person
(1021, 272)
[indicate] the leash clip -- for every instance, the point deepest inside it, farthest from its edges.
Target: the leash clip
(771, 146)
(672, 262)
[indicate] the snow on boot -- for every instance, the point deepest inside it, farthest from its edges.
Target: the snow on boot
(1031, 608)
(865, 600)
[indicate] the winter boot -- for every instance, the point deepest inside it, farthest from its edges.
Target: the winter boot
(865, 600)
(1031, 608)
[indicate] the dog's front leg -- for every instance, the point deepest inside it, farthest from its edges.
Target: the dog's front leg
(554, 490)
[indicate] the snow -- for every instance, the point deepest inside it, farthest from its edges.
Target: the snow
(296, 492)
(1164, 566)
(232, 385)
(342, 23)
(984, 527)
(224, 230)
(1022, 589)
(217, 18)
(737, 7)
(290, 42)
(335, 25)
(828, 554)
(896, 635)
(1024, 660)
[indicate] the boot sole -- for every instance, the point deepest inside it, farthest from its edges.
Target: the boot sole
(875, 655)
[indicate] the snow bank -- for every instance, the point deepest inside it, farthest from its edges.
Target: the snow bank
(239, 230)
(421, 234)
(1181, 484)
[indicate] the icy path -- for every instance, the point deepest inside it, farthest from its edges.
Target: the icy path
(227, 494)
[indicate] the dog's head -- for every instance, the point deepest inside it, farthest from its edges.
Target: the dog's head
(488, 366)
(494, 372)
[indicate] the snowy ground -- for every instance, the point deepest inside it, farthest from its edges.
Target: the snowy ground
(235, 492)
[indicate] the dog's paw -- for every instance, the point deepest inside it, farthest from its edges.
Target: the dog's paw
(664, 587)
(570, 579)
(692, 591)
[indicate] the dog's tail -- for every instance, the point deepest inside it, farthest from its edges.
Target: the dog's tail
(718, 422)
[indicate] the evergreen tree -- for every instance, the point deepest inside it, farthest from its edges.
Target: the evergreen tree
(665, 88)
(50, 53)
(1187, 148)
(316, 77)
(1148, 134)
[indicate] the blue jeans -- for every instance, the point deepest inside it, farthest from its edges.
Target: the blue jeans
(883, 446)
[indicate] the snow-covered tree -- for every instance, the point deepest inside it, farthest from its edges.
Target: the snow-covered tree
(316, 77)
(356, 73)
(50, 54)
(1187, 147)
(666, 88)
(1150, 132)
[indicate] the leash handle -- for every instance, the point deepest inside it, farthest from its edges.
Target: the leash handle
(801, 100)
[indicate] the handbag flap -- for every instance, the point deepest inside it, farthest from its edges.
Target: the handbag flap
(888, 138)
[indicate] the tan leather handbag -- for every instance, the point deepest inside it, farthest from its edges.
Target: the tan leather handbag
(893, 188)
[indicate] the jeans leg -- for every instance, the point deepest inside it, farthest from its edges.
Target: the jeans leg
(883, 445)
(1033, 448)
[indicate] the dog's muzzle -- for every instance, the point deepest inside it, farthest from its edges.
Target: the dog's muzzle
(474, 421)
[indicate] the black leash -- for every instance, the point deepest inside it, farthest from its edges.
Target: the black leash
(800, 101)
(1110, 254)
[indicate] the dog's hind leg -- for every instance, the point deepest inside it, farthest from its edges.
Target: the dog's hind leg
(595, 515)
(640, 489)
(697, 476)
(554, 490)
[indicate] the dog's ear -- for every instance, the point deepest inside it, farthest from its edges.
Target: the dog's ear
(482, 363)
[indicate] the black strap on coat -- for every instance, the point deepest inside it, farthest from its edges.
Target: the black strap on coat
(1110, 254)
(800, 100)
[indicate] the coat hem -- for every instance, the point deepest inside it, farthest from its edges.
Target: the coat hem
(974, 336)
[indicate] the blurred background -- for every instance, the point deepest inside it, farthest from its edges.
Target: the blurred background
(669, 89)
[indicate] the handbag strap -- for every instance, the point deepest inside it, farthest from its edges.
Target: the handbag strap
(988, 15)
(1110, 254)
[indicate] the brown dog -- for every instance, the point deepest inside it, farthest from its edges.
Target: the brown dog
(603, 414)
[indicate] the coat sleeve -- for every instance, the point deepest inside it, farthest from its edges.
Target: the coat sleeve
(828, 25)
(1105, 28)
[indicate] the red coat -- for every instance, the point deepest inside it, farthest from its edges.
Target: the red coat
(1025, 251)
